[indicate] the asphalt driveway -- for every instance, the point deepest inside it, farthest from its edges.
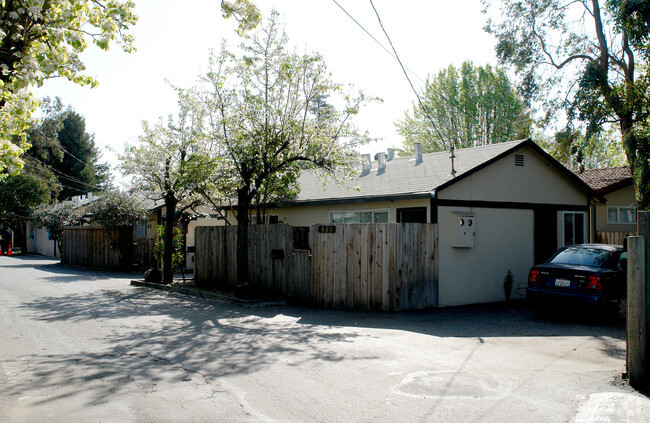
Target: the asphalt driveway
(82, 346)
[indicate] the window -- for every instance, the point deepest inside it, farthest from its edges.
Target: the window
(593, 257)
(374, 216)
(141, 229)
(621, 215)
(412, 215)
(574, 227)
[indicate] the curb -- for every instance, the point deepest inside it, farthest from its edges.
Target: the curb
(210, 295)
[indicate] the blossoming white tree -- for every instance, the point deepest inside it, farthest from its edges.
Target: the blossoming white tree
(42, 39)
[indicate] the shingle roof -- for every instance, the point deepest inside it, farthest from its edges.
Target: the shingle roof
(606, 180)
(403, 177)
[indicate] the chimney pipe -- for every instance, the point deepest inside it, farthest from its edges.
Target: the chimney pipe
(391, 154)
(381, 161)
(418, 152)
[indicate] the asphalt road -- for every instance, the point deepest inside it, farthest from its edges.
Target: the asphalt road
(82, 346)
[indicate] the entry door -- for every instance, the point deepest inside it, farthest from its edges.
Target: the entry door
(545, 233)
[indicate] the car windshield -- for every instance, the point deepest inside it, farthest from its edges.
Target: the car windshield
(583, 257)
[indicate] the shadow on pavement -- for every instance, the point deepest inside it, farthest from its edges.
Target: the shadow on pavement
(155, 336)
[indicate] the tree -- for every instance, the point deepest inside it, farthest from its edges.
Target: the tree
(264, 126)
(588, 61)
(573, 150)
(118, 212)
(162, 166)
(465, 107)
(42, 39)
(244, 11)
(78, 169)
(61, 146)
(177, 246)
(20, 195)
(55, 216)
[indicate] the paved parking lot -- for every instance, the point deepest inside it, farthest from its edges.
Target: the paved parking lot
(82, 346)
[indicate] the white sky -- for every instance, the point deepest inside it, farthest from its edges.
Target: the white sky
(174, 37)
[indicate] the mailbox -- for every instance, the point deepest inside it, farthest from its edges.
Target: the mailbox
(462, 229)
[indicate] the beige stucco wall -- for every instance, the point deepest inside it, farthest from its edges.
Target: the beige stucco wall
(503, 241)
(201, 221)
(38, 241)
(311, 215)
(535, 182)
(623, 197)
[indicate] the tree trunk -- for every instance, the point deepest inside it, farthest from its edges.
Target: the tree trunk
(243, 206)
(170, 205)
(124, 243)
(637, 152)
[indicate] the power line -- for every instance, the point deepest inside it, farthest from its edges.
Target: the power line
(394, 56)
(406, 74)
(66, 176)
(57, 182)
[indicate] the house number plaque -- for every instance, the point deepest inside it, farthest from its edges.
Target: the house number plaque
(326, 229)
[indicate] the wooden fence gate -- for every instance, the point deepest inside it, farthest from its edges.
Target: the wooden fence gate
(381, 266)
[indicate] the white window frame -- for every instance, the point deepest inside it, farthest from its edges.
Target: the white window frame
(584, 226)
(373, 211)
(618, 215)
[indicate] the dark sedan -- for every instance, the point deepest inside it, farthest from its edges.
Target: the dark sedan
(586, 273)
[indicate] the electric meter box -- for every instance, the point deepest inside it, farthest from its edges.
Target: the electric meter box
(462, 229)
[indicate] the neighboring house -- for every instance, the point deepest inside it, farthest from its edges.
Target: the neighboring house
(499, 207)
(617, 218)
(39, 240)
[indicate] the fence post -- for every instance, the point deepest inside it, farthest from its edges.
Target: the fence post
(643, 229)
(636, 311)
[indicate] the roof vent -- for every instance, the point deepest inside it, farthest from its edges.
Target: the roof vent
(381, 162)
(391, 154)
(418, 152)
(452, 156)
(519, 159)
(365, 163)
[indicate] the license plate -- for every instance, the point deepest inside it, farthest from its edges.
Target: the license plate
(562, 283)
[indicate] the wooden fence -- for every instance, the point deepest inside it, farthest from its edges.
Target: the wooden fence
(92, 246)
(615, 238)
(383, 266)
(273, 264)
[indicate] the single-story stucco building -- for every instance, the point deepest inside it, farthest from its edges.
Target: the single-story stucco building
(498, 207)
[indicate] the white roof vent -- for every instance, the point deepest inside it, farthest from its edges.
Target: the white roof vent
(381, 162)
(418, 152)
(365, 163)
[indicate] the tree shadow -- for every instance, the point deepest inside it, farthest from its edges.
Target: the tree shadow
(178, 339)
(62, 273)
(152, 337)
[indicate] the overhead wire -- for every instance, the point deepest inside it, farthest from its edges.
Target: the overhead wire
(57, 182)
(66, 176)
(454, 104)
(406, 73)
(373, 37)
